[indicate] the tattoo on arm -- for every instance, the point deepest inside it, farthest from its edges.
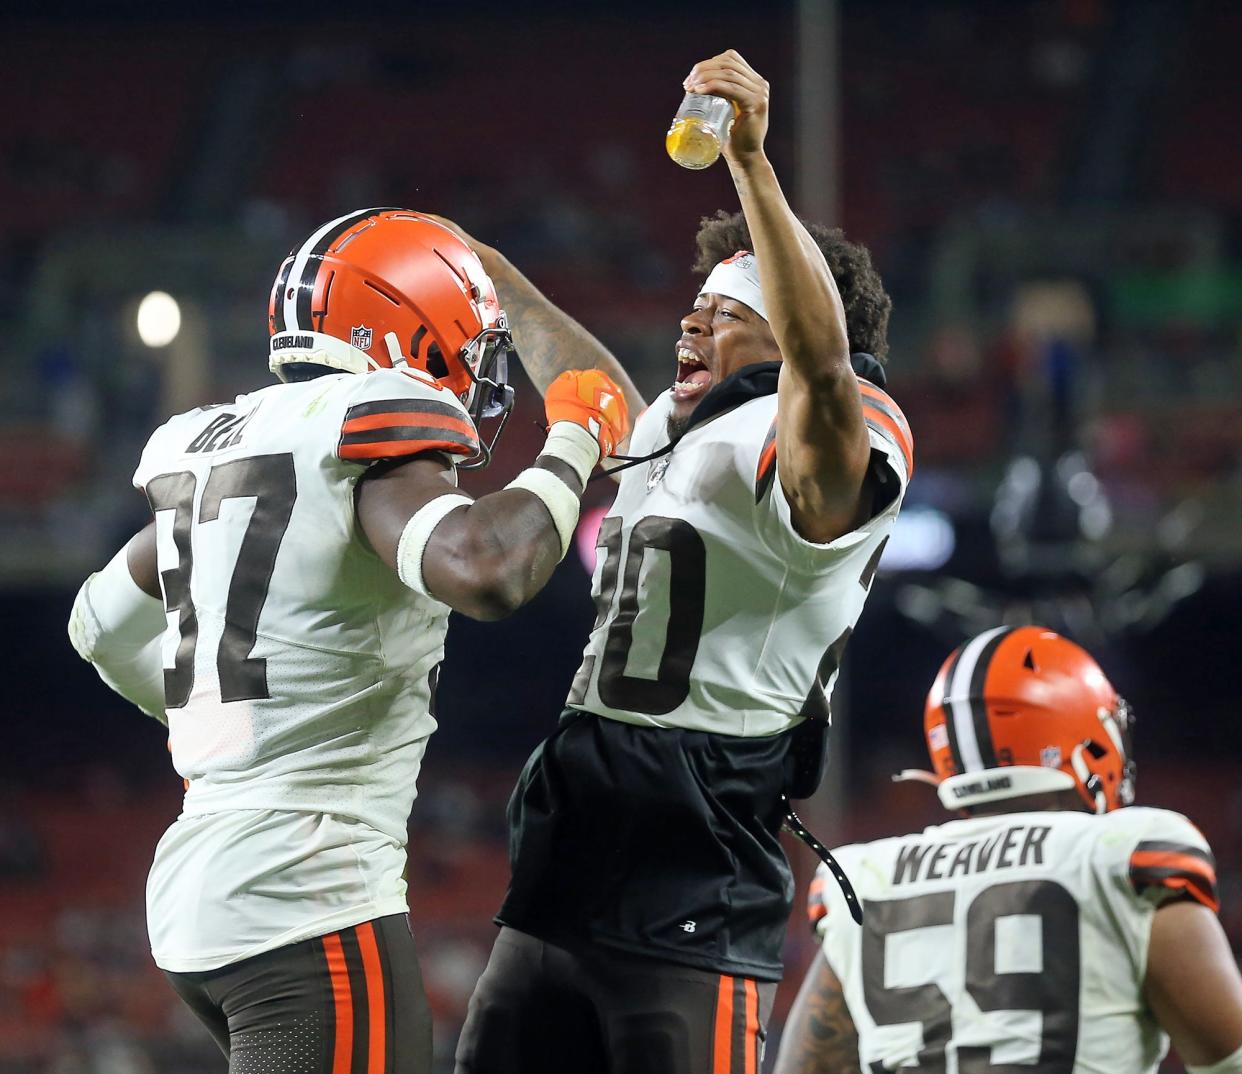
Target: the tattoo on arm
(549, 341)
(820, 1037)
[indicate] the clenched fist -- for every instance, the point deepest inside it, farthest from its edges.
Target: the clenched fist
(590, 399)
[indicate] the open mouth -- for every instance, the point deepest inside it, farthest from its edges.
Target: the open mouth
(693, 376)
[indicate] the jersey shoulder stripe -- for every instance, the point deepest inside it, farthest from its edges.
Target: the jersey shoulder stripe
(880, 414)
(766, 470)
(1180, 868)
(816, 903)
(391, 428)
(885, 417)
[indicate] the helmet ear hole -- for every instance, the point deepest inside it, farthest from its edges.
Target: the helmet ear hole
(436, 365)
(1028, 661)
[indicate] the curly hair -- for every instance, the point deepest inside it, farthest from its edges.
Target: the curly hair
(867, 304)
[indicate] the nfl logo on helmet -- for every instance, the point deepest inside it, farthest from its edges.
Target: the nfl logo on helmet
(360, 337)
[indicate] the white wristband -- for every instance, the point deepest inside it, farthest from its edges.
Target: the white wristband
(574, 446)
(417, 533)
(1231, 1064)
(562, 504)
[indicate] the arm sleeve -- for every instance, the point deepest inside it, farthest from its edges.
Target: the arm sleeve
(392, 414)
(1170, 859)
(119, 630)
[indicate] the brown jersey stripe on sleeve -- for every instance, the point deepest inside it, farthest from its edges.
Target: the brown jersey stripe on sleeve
(881, 400)
(1194, 886)
(408, 417)
(1167, 847)
(887, 428)
(405, 405)
(396, 441)
(1142, 860)
(396, 449)
(880, 405)
(1182, 873)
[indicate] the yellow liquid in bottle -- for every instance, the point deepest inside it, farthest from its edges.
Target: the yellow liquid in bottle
(692, 143)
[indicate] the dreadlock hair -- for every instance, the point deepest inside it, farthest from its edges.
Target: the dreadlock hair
(867, 304)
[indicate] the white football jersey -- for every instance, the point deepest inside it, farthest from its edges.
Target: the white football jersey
(298, 668)
(713, 614)
(1010, 942)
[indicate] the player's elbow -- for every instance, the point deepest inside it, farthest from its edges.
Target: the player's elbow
(494, 599)
(820, 365)
(479, 580)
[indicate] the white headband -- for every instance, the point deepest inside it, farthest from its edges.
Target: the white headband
(737, 277)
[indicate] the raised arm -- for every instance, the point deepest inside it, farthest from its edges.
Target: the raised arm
(822, 444)
(819, 1036)
(549, 341)
(487, 557)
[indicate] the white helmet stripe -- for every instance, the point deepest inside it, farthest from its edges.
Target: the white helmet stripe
(302, 257)
(957, 699)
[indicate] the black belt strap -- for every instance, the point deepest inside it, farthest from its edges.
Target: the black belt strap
(793, 824)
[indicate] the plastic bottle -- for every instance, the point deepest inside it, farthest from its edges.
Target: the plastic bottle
(699, 131)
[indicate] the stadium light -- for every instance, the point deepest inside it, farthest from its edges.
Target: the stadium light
(159, 319)
(588, 530)
(923, 539)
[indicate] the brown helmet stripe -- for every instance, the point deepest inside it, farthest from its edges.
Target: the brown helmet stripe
(307, 259)
(949, 727)
(314, 261)
(978, 704)
(965, 708)
(278, 294)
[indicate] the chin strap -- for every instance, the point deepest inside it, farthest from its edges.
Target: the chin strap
(916, 775)
(633, 460)
(793, 824)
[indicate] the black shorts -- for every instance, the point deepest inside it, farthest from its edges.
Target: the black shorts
(350, 1002)
(626, 835)
(540, 1009)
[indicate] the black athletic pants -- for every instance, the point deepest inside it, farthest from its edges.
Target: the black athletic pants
(350, 1002)
(540, 1009)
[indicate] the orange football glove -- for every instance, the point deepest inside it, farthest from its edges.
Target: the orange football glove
(589, 398)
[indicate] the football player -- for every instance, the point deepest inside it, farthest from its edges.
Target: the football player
(1049, 929)
(285, 613)
(643, 924)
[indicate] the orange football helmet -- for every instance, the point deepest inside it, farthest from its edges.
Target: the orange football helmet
(389, 288)
(1022, 710)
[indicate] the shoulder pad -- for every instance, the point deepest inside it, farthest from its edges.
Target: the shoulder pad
(393, 414)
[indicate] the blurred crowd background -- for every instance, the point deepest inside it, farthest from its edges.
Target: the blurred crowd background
(1050, 190)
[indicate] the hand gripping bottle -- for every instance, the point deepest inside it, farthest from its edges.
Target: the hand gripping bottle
(699, 131)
